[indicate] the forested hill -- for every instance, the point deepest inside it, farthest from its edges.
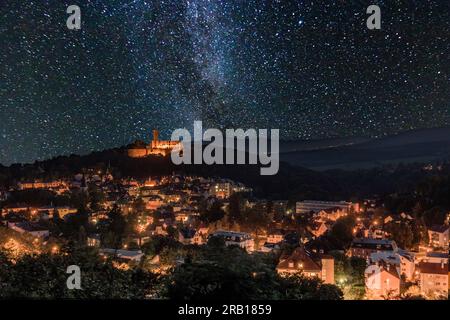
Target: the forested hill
(291, 182)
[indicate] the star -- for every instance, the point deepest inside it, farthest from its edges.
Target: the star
(309, 68)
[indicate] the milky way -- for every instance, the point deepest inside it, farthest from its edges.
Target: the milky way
(310, 68)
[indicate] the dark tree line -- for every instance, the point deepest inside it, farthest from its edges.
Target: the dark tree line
(208, 273)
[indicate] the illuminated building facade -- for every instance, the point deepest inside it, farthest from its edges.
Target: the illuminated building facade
(156, 147)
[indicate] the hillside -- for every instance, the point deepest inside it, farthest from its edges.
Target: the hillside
(421, 146)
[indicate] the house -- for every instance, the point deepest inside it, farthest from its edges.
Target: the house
(62, 211)
(402, 260)
(433, 278)
(388, 219)
(40, 185)
(332, 214)
(406, 216)
(303, 262)
(374, 232)
(93, 240)
(15, 209)
(407, 264)
(186, 235)
(139, 238)
(221, 190)
(388, 257)
(172, 197)
(364, 247)
(182, 216)
(308, 206)
(123, 255)
(160, 230)
(241, 239)
(436, 257)
(269, 247)
(275, 236)
(95, 217)
(201, 236)
(318, 229)
(382, 281)
(438, 235)
(153, 202)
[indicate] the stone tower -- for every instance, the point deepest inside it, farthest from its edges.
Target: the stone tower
(155, 138)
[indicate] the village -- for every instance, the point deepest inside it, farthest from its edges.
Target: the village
(348, 244)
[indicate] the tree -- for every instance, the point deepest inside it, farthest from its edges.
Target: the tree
(138, 206)
(349, 272)
(217, 272)
(205, 282)
(116, 226)
(95, 197)
(435, 215)
(256, 218)
(217, 242)
(82, 236)
(213, 214)
(402, 234)
(158, 243)
(73, 223)
(298, 287)
(342, 231)
(330, 292)
(44, 276)
(235, 208)
(56, 217)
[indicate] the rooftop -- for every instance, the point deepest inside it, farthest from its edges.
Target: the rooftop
(439, 228)
(300, 259)
(433, 268)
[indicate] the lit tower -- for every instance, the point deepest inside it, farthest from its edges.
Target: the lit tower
(155, 139)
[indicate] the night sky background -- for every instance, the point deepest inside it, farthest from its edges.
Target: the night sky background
(310, 68)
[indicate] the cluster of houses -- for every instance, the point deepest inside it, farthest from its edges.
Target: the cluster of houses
(167, 202)
(323, 214)
(171, 205)
(390, 269)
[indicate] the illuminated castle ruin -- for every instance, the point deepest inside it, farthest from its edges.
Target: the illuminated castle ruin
(156, 147)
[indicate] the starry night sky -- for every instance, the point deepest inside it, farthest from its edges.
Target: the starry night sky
(310, 68)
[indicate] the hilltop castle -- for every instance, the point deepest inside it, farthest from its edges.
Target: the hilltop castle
(156, 147)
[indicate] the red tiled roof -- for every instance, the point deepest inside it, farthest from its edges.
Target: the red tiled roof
(433, 268)
(300, 256)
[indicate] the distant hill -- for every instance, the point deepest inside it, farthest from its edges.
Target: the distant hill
(292, 182)
(370, 166)
(425, 145)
